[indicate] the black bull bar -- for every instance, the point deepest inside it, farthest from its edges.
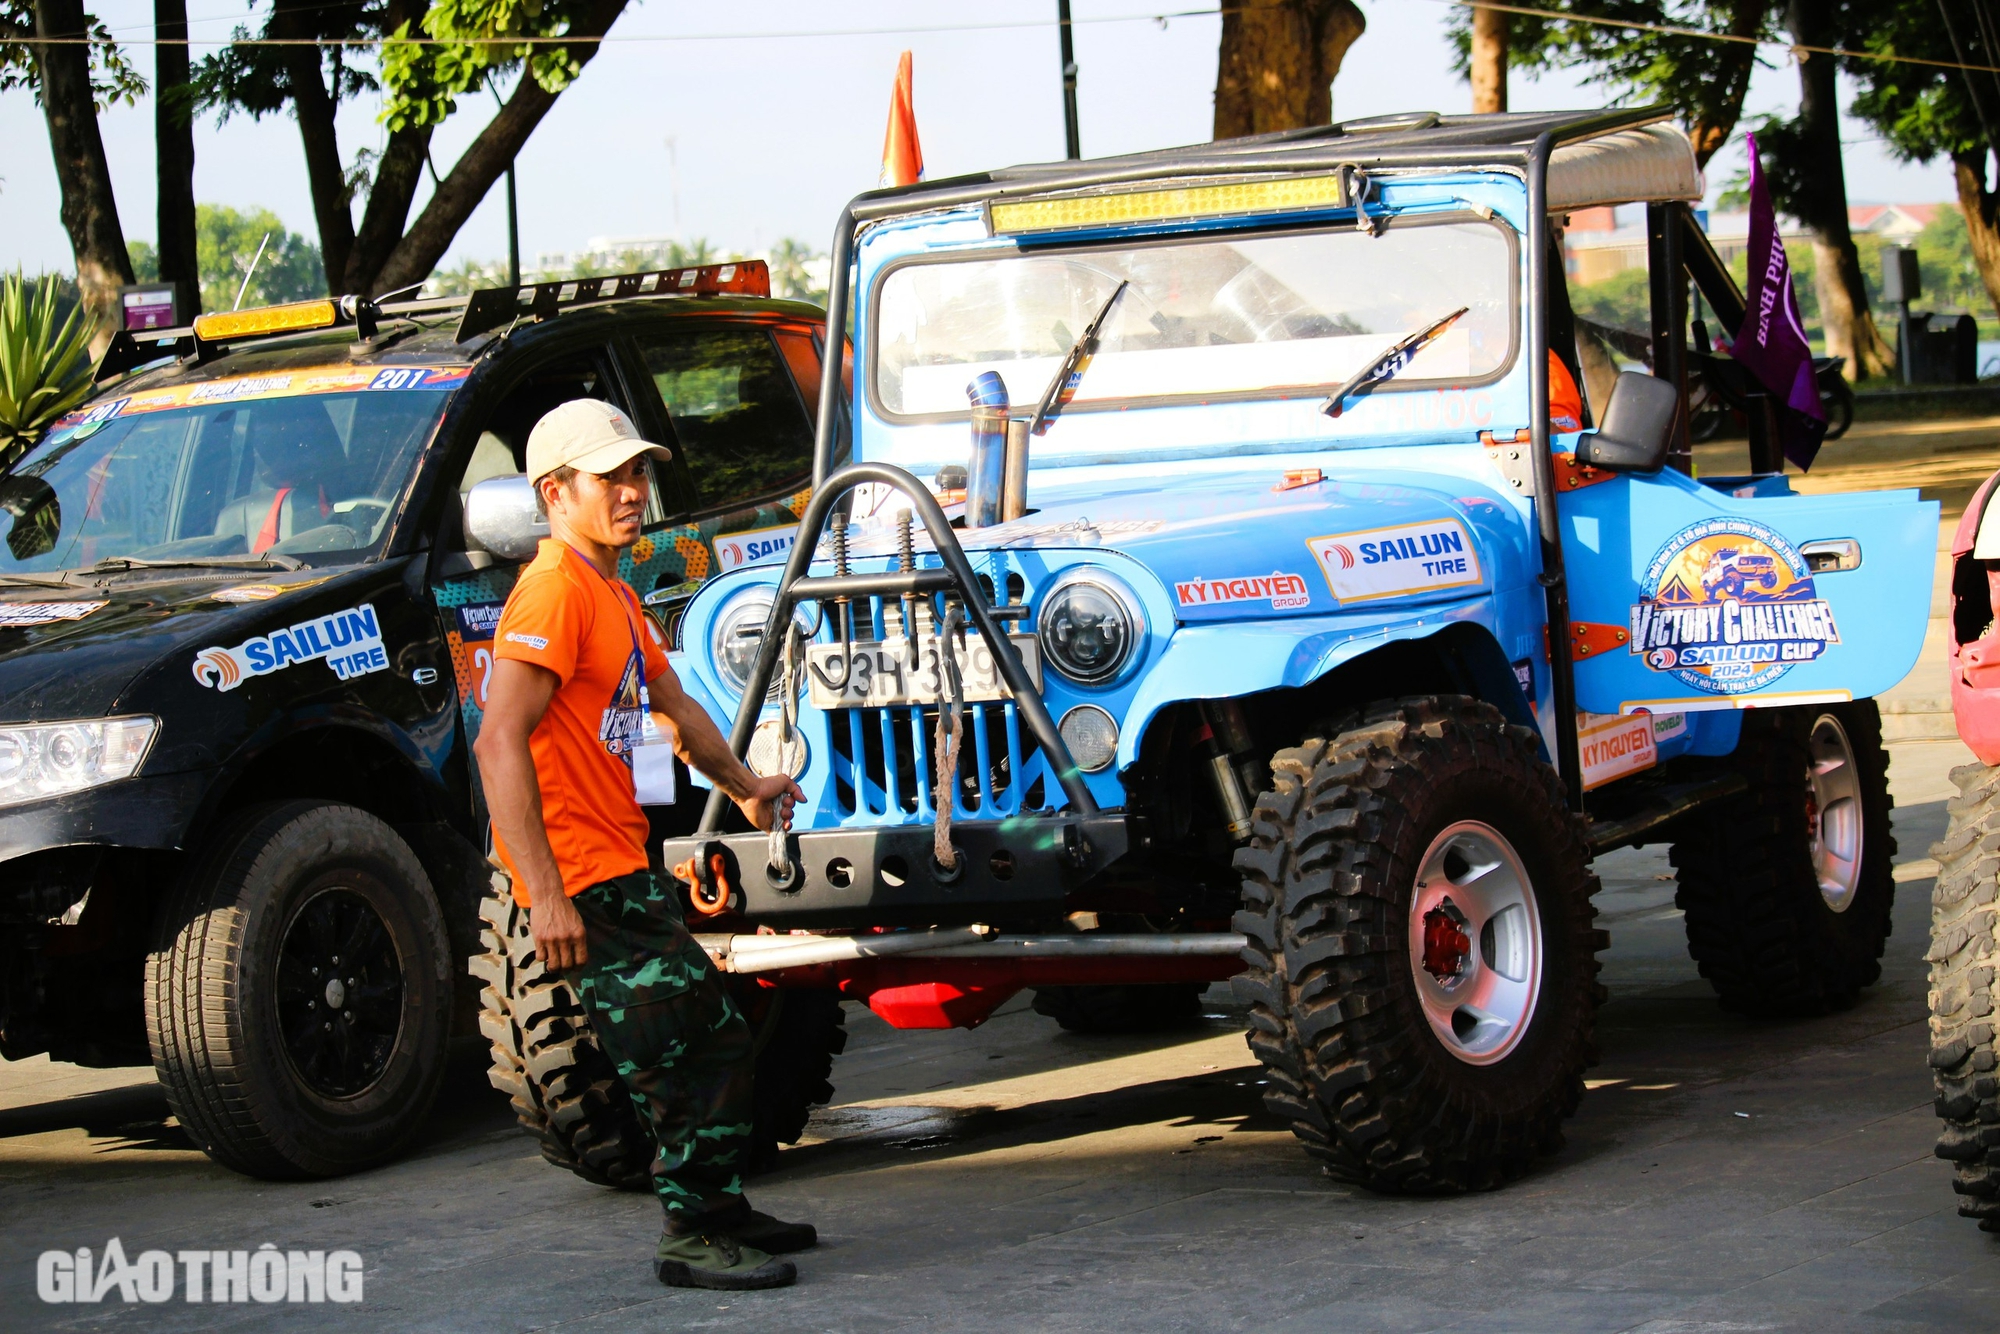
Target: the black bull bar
(888, 874)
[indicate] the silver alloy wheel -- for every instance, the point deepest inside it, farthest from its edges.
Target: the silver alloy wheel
(1475, 942)
(1833, 812)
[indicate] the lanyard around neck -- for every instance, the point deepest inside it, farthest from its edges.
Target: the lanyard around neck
(624, 609)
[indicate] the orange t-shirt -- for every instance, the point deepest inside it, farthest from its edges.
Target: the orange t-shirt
(1565, 401)
(566, 617)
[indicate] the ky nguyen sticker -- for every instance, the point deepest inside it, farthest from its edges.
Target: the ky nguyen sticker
(348, 641)
(1727, 607)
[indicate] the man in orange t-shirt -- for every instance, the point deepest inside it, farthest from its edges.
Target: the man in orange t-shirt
(578, 679)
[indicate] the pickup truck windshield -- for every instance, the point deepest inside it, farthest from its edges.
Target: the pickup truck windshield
(220, 468)
(1268, 316)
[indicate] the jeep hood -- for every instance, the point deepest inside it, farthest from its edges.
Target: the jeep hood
(1249, 544)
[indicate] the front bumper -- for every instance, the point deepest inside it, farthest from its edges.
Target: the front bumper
(131, 813)
(885, 875)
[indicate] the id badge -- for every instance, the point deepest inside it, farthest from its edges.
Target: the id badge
(652, 761)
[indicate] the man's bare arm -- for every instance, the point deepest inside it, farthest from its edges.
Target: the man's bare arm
(701, 746)
(515, 702)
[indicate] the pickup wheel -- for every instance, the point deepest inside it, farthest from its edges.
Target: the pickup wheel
(1787, 888)
(1422, 962)
(566, 1092)
(298, 993)
(1965, 949)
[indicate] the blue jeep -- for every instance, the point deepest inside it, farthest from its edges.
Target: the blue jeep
(1266, 631)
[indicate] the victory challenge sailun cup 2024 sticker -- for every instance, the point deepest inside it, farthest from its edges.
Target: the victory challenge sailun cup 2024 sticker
(1727, 606)
(348, 641)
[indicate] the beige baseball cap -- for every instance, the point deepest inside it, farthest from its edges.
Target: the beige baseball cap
(588, 435)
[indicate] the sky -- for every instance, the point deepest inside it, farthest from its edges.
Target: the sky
(757, 121)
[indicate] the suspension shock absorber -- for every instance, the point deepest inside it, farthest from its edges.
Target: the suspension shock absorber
(906, 562)
(1224, 740)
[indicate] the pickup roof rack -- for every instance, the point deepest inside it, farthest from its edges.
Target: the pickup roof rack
(481, 311)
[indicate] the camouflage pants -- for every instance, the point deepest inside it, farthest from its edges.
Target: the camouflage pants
(662, 1015)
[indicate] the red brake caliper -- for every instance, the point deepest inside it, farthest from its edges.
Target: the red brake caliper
(1446, 946)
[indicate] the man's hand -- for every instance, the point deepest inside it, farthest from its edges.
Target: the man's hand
(558, 931)
(769, 800)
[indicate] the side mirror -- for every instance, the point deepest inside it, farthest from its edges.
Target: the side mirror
(500, 517)
(1636, 427)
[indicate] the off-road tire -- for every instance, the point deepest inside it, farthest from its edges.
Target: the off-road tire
(565, 1090)
(1121, 1009)
(1757, 925)
(1351, 1059)
(1965, 950)
(212, 992)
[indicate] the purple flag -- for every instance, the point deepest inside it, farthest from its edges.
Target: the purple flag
(1772, 342)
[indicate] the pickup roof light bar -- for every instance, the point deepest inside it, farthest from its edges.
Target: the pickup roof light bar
(494, 307)
(484, 310)
(1074, 212)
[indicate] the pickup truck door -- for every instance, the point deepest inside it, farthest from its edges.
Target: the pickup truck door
(1729, 593)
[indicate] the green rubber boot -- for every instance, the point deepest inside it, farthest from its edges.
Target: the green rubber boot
(712, 1260)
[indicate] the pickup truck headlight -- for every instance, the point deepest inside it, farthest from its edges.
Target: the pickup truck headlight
(40, 760)
(1088, 627)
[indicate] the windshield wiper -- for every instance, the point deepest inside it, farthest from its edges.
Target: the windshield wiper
(1391, 362)
(269, 560)
(58, 579)
(1069, 375)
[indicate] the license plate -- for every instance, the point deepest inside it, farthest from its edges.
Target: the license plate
(880, 675)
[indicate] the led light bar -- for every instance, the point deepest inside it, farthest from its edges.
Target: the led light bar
(1077, 212)
(224, 325)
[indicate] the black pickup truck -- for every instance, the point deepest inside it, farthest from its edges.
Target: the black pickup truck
(244, 643)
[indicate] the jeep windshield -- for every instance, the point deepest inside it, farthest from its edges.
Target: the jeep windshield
(1276, 315)
(306, 465)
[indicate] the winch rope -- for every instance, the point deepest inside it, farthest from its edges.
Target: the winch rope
(945, 743)
(778, 853)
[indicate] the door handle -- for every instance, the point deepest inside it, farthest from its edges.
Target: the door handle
(425, 676)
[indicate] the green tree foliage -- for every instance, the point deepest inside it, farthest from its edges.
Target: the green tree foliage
(791, 271)
(1702, 78)
(45, 361)
(1926, 111)
(226, 243)
(113, 77)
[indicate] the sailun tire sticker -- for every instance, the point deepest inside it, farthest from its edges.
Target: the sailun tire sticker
(1727, 607)
(348, 641)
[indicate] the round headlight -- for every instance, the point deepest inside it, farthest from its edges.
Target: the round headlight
(1088, 629)
(1092, 737)
(739, 634)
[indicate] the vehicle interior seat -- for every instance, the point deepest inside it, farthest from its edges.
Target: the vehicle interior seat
(300, 469)
(490, 458)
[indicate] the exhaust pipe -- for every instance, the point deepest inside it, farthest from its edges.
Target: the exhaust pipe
(1014, 482)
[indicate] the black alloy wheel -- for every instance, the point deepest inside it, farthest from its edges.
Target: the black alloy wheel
(339, 993)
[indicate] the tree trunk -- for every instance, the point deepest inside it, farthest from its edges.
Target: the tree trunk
(314, 107)
(1822, 203)
(89, 209)
(1278, 62)
(1712, 119)
(397, 177)
(1982, 218)
(173, 140)
(1489, 60)
(482, 163)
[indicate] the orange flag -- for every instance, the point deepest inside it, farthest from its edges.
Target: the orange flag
(902, 155)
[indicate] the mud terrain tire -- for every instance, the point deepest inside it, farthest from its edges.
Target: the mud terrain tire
(566, 1092)
(1338, 1015)
(1758, 926)
(1965, 950)
(260, 1072)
